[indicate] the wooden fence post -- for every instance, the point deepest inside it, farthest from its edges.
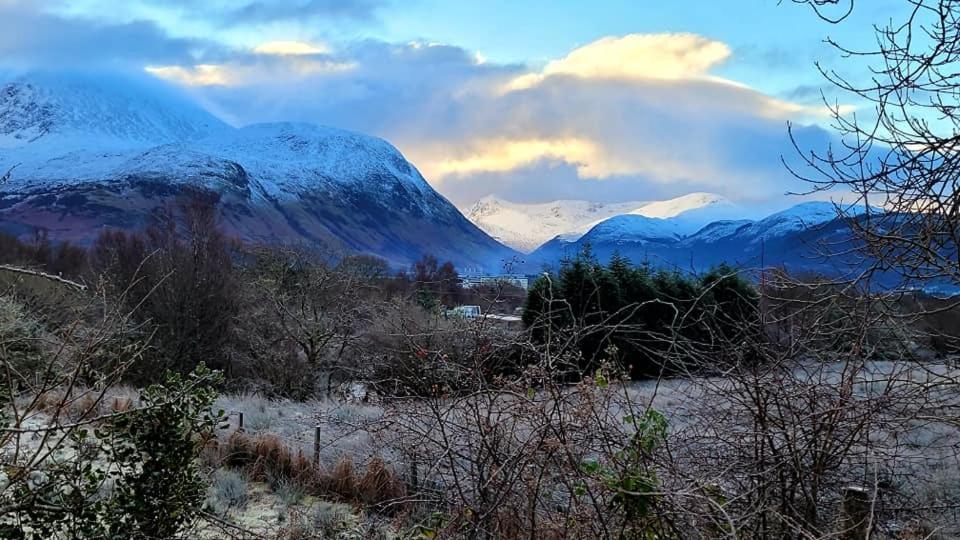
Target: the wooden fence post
(414, 480)
(855, 513)
(316, 446)
(240, 421)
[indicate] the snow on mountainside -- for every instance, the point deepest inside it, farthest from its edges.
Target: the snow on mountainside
(679, 216)
(800, 217)
(792, 238)
(633, 227)
(90, 152)
(698, 225)
(679, 205)
(527, 226)
(72, 109)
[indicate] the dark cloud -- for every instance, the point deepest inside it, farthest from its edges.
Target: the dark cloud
(30, 37)
(550, 180)
(271, 11)
(805, 93)
(774, 57)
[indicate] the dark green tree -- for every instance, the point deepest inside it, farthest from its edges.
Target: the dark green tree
(654, 321)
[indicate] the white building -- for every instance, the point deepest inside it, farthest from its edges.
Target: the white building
(517, 280)
(467, 312)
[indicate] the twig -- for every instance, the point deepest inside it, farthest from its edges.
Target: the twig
(44, 275)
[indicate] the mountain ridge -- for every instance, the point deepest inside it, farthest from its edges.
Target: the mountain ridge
(799, 237)
(277, 183)
(527, 226)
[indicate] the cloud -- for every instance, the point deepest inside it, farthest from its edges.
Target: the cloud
(271, 11)
(198, 75)
(635, 56)
(502, 155)
(247, 70)
(548, 180)
(220, 14)
(290, 48)
(629, 117)
(593, 135)
(31, 37)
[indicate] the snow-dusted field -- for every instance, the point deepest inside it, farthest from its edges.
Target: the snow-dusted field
(923, 458)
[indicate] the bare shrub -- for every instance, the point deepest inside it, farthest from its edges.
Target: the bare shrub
(379, 484)
(303, 315)
(178, 279)
(228, 489)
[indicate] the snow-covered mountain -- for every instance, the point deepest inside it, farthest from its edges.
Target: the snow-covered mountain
(89, 151)
(692, 212)
(673, 217)
(803, 216)
(45, 109)
(526, 226)
(796, 237)
(684, 204)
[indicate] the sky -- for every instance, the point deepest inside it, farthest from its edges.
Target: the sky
(529, 101)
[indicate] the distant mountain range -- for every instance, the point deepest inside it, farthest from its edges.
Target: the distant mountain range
(688, 233)
(88, 151)
(525, 227)
(811, 237)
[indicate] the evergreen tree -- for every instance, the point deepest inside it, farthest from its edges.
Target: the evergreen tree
(657, 321)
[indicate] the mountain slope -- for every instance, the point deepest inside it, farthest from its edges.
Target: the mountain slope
(526, 226)
(681, 205)
(797, 238)
(88, 154)
(43, 109)
(681, 216)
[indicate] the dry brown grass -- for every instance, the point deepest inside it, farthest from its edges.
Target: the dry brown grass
(84, 406)
(79, 406)
(275, 460)
(379, 484)
(268, 459)
(49, 401)
(120, 404)
(342, 480)
(237, 451)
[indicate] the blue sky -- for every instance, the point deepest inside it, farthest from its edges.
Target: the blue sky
(526, 100)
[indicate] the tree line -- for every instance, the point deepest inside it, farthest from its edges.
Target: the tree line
(639, 317)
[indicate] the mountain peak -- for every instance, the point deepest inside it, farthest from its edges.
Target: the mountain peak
(39, 107)
(93, 151)
(679, 205)
(527, 226)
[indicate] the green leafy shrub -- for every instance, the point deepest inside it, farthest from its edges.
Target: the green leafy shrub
(630, 478)
(159, 487)
(135, 476)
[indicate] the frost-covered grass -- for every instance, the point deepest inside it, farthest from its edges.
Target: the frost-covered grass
(355, 433)
(919, 465)
(285, 513)
(228, 489)
(342, 425)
